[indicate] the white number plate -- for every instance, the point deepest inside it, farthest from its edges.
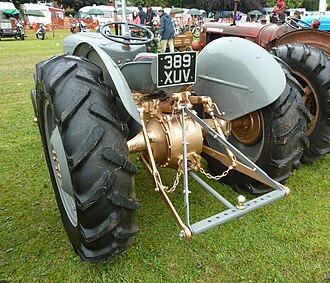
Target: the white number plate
(176, 68)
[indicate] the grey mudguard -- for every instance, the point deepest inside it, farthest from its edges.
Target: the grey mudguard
(239, 76)
(97, 49)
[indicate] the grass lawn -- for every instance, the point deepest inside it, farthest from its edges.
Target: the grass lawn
(287, 241)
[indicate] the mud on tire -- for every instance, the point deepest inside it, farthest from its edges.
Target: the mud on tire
(87, 156)
(311, 67)
(280, 146)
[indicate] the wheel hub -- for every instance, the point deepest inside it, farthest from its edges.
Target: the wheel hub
(247, 129)
(57, 164)
(310, 101)
(62, 175)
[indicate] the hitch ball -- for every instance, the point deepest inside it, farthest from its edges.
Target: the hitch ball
(241, 202)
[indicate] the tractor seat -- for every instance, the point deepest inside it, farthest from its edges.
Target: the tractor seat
(145, 56)
(138, 73)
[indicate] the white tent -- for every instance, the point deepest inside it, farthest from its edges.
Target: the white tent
(108, 13)
(7, 6)
(47, 19)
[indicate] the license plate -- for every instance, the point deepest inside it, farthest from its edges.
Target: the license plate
(176, 68)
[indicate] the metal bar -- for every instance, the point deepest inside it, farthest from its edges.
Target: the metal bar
(239, 166)
(211, 190)
(240, 156)
(185, 170)
(185, 231)
(230, 214)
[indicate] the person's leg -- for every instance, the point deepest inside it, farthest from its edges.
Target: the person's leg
(171, 44)
(163, 43)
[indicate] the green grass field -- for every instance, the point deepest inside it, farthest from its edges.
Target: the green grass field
(287, 241)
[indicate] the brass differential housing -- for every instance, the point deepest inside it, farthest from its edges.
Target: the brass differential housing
(165, 136)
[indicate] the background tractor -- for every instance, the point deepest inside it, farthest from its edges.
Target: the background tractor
(106, 97)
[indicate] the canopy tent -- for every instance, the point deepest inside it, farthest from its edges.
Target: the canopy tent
(11, 12)
(194, 12)
(177, 11)
(57, 13)
(120, 11)
(35, 13)
(255, 13)
(95, 12)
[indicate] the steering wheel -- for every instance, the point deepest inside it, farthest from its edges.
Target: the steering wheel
(297, 23)
(126, 39)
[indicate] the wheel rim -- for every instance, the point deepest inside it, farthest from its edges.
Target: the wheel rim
(251, 147)
(248, 136)
(60, 167)
(247, 129)
(310, 100)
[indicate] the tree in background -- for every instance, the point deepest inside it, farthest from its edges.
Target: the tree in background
(77, 4)
(289, 4)
(159, 3)
(228, 5)
(311, 5)
(248, 5)
(208, 5)
(18, 2)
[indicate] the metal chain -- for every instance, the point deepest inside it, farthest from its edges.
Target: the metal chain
(208, 175)
(218, 177)
(176, 182)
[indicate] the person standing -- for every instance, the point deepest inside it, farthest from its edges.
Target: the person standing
(279, 10)
(295, 19)
(150, 15)
(267, 18)
(166, 31)
(216, 17)
(142, 15)
(135, 18)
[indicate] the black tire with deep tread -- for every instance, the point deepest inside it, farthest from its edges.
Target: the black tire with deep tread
(284, 139)
(314, 65)
(95, 144)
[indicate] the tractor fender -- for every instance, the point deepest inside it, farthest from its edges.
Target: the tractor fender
(313, 37)
(239, 76)
(114, 78)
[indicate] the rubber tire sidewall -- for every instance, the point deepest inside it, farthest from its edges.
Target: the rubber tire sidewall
(314, 65)
(46, 93)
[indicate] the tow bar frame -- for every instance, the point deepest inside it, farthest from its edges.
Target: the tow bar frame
(233, 211)
(233, 159)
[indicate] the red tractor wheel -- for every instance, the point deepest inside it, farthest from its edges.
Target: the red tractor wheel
(311, 68)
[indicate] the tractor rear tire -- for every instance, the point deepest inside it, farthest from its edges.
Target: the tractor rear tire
(278, 148)
(87, 156)
(311, 67)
